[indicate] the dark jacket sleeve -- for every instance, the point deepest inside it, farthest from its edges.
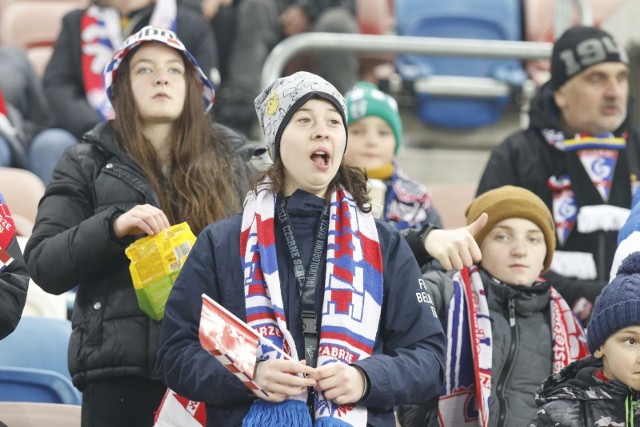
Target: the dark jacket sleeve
(410, 367)
(500, 169)
(565, 413)
(33, 106)
(71, 242)
(63, 82)
(183, 364)
(542, 419)
(14, 281)
(246, 173)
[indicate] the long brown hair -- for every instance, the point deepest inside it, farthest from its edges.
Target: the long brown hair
(201, 187)
(353, 179)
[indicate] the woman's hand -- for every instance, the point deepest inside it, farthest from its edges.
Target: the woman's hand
(280, 379)
(340, 383)
(456, 248)
(140, 219)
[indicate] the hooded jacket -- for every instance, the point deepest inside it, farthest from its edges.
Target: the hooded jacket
(407, 360)
(575, 397)
(73, 245)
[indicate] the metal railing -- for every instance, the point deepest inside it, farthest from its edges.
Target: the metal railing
(361, 43)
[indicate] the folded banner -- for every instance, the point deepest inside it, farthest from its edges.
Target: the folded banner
(7, 226)
(7, 232)
(234, 344)
(177, 411)
(232, 341)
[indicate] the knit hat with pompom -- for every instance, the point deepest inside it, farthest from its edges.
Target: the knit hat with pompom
(618, 305)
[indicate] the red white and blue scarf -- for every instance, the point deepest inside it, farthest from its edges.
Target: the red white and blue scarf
(101, 34)
(408, 201)
(598, 155)
(353, 292)
(466, 395)
(7, 233)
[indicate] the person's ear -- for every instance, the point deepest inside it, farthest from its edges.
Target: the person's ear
(598, 353)
(559, 98)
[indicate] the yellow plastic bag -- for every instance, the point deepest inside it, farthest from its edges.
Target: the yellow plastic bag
(155, 264)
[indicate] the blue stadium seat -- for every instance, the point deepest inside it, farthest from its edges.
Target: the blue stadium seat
(36, 385)
(33, 363)
(38, 343)
(470, 19)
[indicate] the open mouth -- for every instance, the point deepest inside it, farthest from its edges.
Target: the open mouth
(320, 158)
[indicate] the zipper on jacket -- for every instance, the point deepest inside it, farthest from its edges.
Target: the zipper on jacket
(630, 405)
(508, 364)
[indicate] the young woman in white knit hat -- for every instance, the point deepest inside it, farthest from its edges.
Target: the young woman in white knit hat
(308, 266)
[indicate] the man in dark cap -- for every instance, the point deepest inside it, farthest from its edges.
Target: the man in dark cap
(579, 157)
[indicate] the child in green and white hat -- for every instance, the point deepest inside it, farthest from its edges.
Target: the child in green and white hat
(375, 136)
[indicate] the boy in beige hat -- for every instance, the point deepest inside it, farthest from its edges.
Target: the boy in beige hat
(506, 328)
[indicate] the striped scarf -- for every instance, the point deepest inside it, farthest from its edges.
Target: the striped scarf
(100, 36)
(466, 395)
(408, 201)
(598, 155)
(350, 310)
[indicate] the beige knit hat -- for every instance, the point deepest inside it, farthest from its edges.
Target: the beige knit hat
(513, 202)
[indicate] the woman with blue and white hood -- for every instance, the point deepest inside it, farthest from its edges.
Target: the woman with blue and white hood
(371, 339)
(159, 162)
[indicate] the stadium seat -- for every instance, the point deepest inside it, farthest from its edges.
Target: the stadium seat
(36, 385)
(30, 414)
(469, 19)
(34, 25)
(22, 190)
(38, 343)
(33, 362)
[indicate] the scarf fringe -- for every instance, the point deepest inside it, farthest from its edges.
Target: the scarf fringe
(330, 422)
(282, 414)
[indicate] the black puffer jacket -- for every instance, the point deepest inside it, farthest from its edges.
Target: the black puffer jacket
(14, 282)
(574, 397)
(522, 353)
(73, 244)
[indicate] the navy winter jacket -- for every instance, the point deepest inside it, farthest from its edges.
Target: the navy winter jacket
(407, 364)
